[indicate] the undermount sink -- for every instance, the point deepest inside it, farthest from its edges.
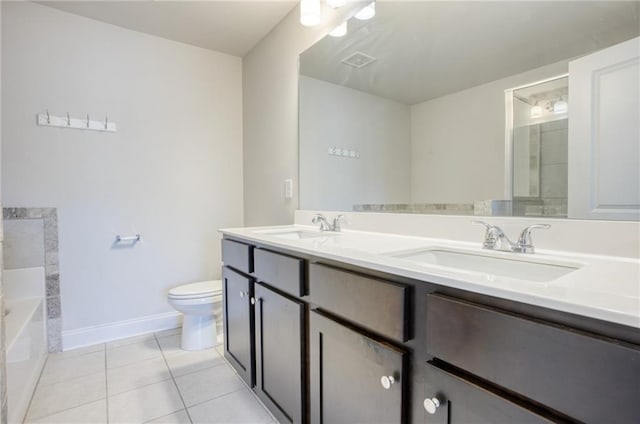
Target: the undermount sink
(521, 269)
(294, 234)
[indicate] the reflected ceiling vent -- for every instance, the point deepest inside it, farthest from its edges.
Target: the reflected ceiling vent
(358, 60)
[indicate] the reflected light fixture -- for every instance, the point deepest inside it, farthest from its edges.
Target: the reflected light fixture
(309, 12)
(340, 30)
(560, 107)
(536, 111)
(368, 12)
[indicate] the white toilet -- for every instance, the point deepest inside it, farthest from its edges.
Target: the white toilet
(200, 303)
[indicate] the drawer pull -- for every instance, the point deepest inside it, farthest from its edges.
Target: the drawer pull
(387, 381)
(253, 300)
(243, 293)
(431, 405)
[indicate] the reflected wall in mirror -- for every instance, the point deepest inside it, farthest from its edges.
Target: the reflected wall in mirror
(432, 107)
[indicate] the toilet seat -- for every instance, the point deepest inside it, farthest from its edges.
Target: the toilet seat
(200, 290)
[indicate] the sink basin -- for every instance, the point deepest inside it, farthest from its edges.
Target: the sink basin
(291, 234)
(522, 269)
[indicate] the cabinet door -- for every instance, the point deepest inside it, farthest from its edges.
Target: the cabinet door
(347, 373)
(280, 371)
(604, 141)
(450, 399)
(238, 324)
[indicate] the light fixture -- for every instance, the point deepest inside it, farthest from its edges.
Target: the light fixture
(340, 30)
(309, 12)
(536, 111)
(336, 3)
(368, 12)
(560, 106)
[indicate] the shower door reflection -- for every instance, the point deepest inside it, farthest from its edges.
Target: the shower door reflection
(540, 154)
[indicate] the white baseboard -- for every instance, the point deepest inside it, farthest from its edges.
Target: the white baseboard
(88, 336)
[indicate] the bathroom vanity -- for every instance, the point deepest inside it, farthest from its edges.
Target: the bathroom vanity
(333, 328)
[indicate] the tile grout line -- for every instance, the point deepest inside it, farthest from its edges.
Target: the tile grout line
(173, 379)
(62, 410)
(26, 413)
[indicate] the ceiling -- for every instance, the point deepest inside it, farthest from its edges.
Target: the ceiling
(426, 50)
(232, 27)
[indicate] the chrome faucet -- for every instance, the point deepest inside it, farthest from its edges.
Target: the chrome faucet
(496, 239)
(524, 241)
(336, 222)
(324, 224)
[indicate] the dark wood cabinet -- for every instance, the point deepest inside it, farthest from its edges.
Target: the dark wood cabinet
(556, 366)
(377, 305)
(280, 354)
(327, 342)
(238, 323)
(452, 399)
(354, 378)
(283, 272)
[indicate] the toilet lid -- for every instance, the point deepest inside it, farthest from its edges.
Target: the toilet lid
(202, 288)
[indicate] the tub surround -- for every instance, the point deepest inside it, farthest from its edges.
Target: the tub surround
(604, 287)
(45, 255)
(26, 339)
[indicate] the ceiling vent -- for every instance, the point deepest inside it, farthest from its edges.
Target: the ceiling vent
(358, 60)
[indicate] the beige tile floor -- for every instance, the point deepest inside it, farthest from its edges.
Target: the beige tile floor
(145, 379)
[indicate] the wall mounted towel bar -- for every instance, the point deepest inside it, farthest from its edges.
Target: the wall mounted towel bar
(134, 239)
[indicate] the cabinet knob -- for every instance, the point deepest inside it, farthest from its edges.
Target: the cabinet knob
(243, 293)
(387, 381)
(253, 300)
(431, 405)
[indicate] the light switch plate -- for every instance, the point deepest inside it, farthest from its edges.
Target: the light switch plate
(288, 188)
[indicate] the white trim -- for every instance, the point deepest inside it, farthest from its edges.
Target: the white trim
(542, 81)
(88, 336)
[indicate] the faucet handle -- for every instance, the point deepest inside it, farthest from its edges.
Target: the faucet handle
(320, 218)
(525, 243)
(491, 235)
(336, 222)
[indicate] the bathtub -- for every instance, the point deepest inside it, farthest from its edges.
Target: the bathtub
(25, 332)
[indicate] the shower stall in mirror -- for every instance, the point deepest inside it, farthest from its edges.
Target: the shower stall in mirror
(537, 143)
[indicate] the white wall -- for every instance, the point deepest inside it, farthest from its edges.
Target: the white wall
(378, 128)
(459, 139)
(3, 362)
(270, 115)
(172, 172)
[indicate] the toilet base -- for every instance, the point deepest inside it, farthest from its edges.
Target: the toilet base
(199, 332)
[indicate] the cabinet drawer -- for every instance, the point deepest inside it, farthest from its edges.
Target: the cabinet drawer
(377, 305)
(237, 255)
(575, 373)
(280, 271)
(462, 401)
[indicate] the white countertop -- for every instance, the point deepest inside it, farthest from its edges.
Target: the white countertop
(604, 287)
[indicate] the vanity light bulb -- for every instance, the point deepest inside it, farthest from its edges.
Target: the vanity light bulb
(368, 12)
(309, 12)
(336, 3)
(340, 30)
(536, 112)
(560, 107)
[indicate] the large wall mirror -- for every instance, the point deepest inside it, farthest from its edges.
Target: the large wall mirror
(484, 108)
